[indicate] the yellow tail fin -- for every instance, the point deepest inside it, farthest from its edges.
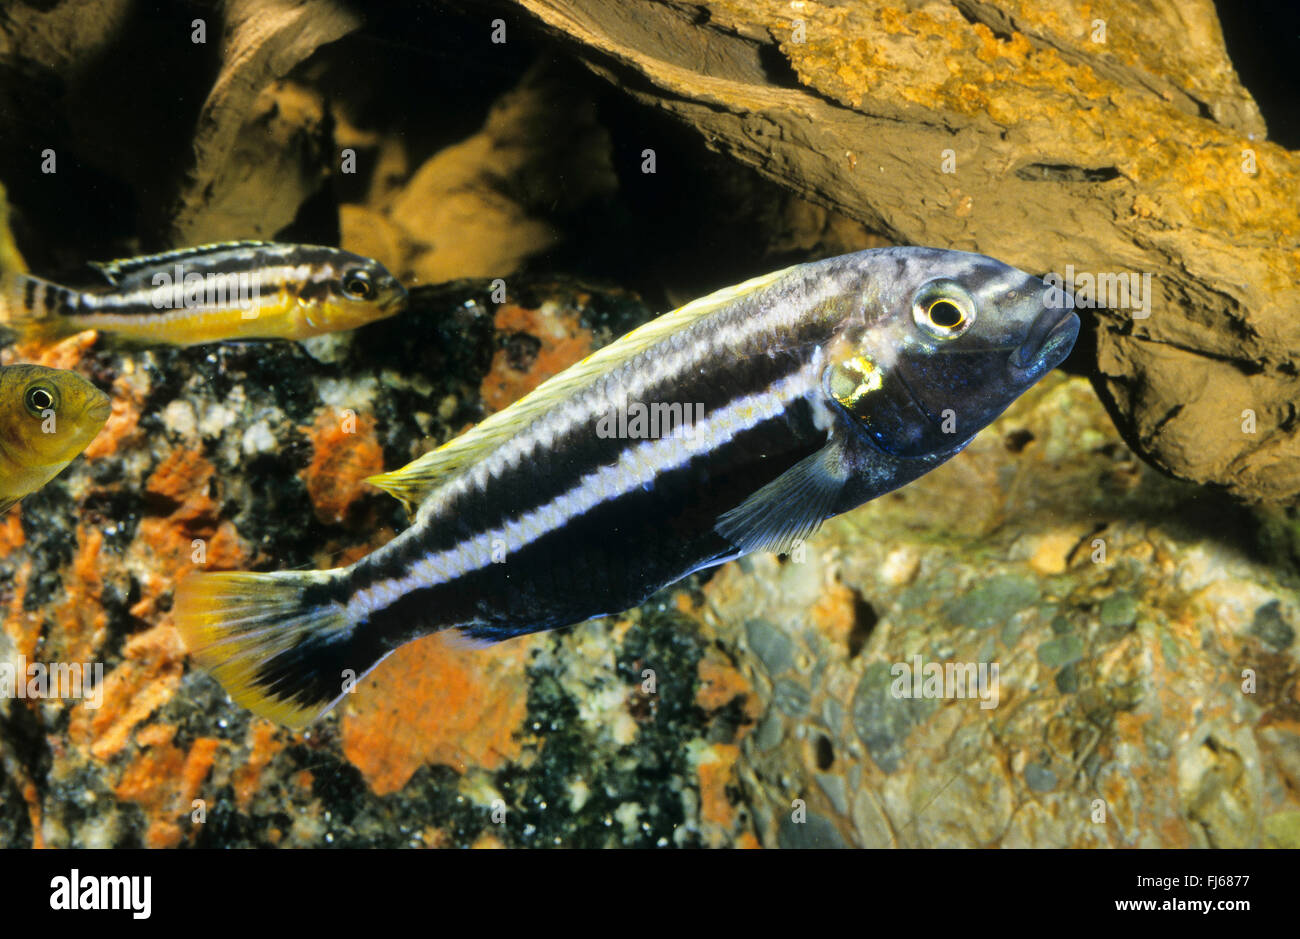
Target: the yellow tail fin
(29, 306)
(281, 644)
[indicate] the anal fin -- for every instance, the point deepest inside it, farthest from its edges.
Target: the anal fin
(482, 635)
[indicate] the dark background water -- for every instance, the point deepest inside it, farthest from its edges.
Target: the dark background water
(425, 71)
(1263, 38)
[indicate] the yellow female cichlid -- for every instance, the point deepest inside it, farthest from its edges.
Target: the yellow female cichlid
(237, 290)
(47, 417)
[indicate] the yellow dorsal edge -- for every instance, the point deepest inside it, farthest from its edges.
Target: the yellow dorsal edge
(416, 479)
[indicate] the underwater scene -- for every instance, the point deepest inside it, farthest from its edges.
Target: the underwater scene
(634, 423)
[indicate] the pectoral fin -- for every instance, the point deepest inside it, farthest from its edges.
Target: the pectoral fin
(790, 508)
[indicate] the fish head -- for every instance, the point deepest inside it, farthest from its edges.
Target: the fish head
(347, 291)
(945, 343)
(48, 415)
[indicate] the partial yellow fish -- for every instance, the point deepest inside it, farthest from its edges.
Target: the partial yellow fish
(47, 417)
(238, 290)
(10, 258)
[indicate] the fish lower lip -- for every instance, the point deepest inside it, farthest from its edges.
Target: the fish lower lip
(1041, 333)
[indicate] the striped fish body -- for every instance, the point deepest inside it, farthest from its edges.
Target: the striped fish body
(568, 513)
(791, 398)
(233, 291)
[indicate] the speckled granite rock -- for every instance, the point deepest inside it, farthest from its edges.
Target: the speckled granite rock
(698, 719)
(247, 456)
(1127, 614)
(1145, 697)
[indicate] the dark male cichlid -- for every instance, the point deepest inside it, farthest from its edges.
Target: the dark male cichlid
(737, 423)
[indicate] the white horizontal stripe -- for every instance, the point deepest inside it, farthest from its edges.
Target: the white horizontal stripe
(674, 355)
(639, 464)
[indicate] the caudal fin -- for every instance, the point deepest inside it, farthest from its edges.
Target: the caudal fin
(281, 644)
(33, 307)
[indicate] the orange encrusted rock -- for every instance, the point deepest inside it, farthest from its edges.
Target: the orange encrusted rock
(721, 683)
(122, 428)
(164, 781)
(432, 702)
(539, 344)
(146, 679)
(344, 452)
(181, 477)
(717, 773)
(263, 744)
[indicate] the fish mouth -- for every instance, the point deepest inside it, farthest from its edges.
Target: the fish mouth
(396, 301)
(1050, 339)
(100, 411)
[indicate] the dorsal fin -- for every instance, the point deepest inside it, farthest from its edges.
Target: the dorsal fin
(123, 270)
(413, 482)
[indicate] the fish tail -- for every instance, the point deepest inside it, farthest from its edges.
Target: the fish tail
(34, 307)
(283, 645)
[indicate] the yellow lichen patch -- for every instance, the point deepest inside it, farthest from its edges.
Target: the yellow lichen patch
(563, 339)
(1051, 551)
(434, 703)
(344, 452)
(685, 604)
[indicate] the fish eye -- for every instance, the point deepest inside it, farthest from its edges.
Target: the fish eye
(357, 284)
(39, 399)
(945, 314)
(943, 310)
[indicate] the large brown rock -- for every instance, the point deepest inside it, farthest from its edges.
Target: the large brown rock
(260, 146)
(1113, 138)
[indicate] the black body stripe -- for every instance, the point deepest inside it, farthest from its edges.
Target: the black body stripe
(549, 472)
(617, 554)
(223, 259)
